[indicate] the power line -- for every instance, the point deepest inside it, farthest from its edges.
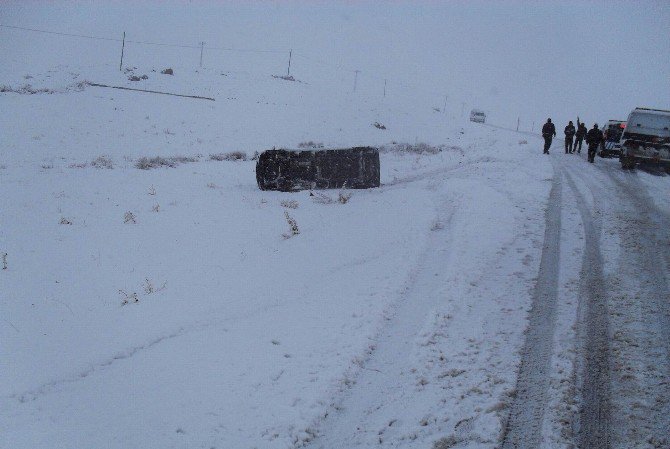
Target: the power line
(162, 44)
(62, 34)
(247, 50)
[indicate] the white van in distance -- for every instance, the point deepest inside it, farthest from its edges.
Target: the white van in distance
(477, 116)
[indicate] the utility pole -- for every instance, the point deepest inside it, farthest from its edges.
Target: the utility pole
(355, 78)
(202, 48)
(444, 109)
(288, 72)
(384, 88)
(517, 123)
(123, 46)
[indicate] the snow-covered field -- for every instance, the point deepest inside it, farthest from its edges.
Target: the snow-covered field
(233, 334)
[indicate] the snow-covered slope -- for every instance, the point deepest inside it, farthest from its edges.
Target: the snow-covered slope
(240, 336)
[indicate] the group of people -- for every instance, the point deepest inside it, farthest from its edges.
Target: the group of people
(574, 137)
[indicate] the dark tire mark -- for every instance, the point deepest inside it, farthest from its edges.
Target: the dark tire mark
(593, 423)
(524, 425)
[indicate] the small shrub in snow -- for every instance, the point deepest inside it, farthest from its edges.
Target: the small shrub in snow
(184, 159)
(343, 197)
(233, 156)
(65, 221)
(167, 72)
(48, 166)
(26, 89)
(211, 185)
(255, 156)
(320, 198)
(417, 148)
(129, 217)
(80, 86)
(437, 226)
(79, 165)
(148, 286)
(156, 208)
(446, 442)
(128, 297)
(310, 144)
(168, 132)
(497, 407)
(293, 225)
(137, 78)
(4, 261)
(152, 190)
(378, 125)
(284, 77)
(290, 204)
(422, 148)
(523, 142)
(102, 162)
(146, 163)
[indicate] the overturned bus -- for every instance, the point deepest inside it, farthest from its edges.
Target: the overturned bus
(291, 170)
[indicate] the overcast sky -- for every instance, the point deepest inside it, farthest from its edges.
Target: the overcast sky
(514, 59)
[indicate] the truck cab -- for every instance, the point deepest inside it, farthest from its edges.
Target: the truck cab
(612, 132)
(646, 138)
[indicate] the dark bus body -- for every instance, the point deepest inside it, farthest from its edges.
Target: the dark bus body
(292, 170)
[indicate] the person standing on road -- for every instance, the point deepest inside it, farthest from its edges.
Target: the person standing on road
(548, 132)
(593, 139)
(580, 135)
(569, 136)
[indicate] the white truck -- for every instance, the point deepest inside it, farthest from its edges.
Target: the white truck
(646, 138)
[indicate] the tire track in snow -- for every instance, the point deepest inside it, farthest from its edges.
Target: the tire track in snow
(387, 378)
(524, 424)
(118, 356)
(593, 430)
(33, 394)
(641, 341)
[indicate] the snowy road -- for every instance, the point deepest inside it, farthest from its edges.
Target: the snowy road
(635, 240)
(594, 367)
(620, 385)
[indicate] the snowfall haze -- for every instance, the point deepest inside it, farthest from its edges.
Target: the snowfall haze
(527, 60)
(484, 294)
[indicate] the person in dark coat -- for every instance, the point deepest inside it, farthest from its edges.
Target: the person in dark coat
(548, 132)
(569, 136)
(593, 139)
(579, 135)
